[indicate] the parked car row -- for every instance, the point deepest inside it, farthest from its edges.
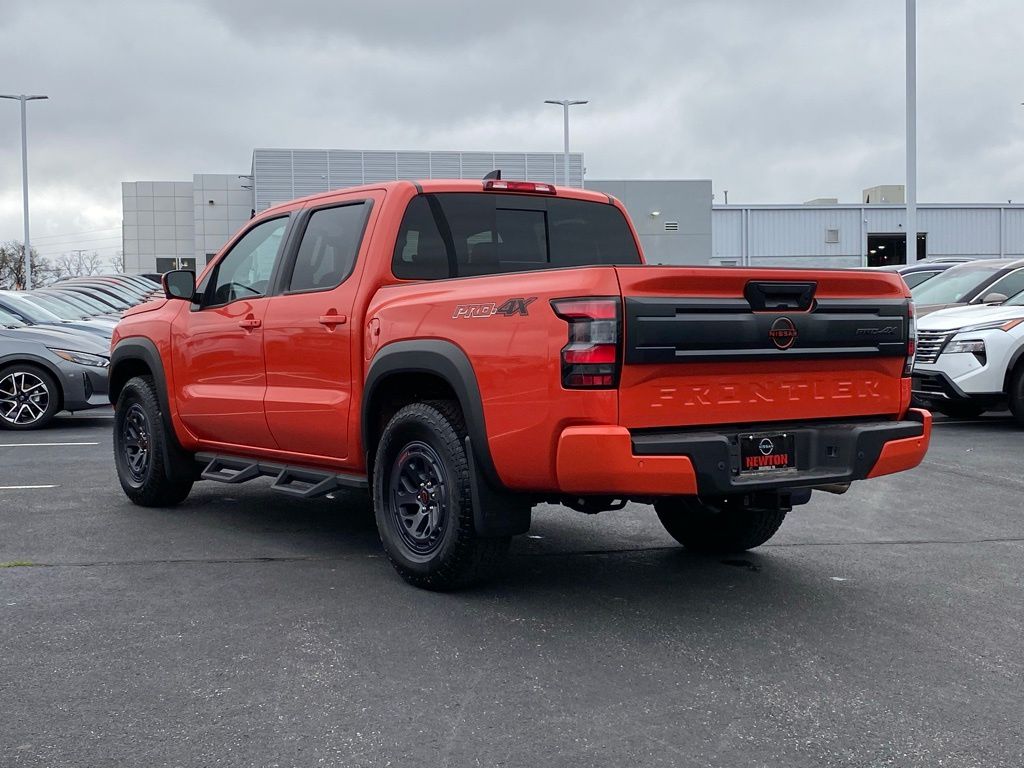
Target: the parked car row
(970, 339)
(55, 345)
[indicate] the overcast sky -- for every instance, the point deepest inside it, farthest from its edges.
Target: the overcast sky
(774, 100)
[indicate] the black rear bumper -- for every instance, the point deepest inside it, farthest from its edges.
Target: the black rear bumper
(826, 453)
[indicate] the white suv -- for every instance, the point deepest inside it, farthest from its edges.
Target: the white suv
(969, 359)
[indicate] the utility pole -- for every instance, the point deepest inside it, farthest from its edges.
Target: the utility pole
(565, 104)
(911, 255)
(24, 179)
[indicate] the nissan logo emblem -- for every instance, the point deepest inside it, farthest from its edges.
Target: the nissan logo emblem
(783, 333)
(766, 446)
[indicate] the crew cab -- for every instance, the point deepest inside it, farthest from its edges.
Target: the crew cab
(467, 349)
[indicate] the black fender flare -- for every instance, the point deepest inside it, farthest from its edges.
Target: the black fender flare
(449, 363)
(497, 512)
(138, 348)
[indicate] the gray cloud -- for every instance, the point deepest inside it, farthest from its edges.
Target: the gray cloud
(775, 101)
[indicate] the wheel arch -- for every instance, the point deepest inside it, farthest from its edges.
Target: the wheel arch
(1011, 368)
(38, 362)
(411, 371)
(138, 356)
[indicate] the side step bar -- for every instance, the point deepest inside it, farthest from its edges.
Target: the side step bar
(303, 482)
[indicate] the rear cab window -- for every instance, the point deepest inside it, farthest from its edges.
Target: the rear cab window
(467, 234)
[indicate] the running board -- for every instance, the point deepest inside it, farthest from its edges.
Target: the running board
(303, 482)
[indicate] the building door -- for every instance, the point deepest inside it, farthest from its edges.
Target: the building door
(886, 249)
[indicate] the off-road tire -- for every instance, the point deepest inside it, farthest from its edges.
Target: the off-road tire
(154, 485)
(719, 527)
(961, 409)
(1016, 394)
(53, 394)
(455, 556)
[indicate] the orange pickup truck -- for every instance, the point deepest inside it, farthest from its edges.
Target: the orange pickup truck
(467, 349)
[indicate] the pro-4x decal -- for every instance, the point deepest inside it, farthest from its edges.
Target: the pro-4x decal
(508, 308)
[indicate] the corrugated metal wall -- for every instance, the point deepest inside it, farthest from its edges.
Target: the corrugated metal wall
(798, 235)
(284, 174)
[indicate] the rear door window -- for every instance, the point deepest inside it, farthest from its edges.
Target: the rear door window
(329, 247)
(469, 234)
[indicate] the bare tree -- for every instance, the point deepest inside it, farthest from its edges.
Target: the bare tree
(12, 266)
(77, 263)
(117, 262)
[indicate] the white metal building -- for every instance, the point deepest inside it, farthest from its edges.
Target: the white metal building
(849, 235)
(184, 223)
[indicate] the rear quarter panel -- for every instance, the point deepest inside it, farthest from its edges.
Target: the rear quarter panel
(515, 357)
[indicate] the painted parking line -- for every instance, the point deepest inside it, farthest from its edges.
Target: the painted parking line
(24, 487)
(39, 445)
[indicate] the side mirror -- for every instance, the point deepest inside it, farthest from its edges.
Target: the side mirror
(994, 298)
(179, 284)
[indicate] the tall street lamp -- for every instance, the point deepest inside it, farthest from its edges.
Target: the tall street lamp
(911, 99)
(24, 180)
(565, 104)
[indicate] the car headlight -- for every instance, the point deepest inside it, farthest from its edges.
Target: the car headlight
(973, 346)
(82, 358)
(997, 325)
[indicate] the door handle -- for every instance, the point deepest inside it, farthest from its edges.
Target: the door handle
(332, 319)
(250, 322)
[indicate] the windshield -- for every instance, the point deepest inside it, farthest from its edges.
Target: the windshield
(61, 309)
(80, 300)
(954, 286)
(9, 320)
(28, 310)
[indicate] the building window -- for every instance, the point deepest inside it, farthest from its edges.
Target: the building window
(831, 235)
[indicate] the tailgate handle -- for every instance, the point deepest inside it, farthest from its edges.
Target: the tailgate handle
(764, 296)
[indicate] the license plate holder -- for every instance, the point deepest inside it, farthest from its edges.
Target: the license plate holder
(767, 452)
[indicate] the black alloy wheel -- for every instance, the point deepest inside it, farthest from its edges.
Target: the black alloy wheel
(419, 497)
(135, 442)
(423, 502)
(152, 468)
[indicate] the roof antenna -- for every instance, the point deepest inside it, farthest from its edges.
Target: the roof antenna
(494, 175)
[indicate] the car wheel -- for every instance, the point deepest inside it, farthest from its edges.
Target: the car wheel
(140, 448)
(717, 527)
(422, 500)
(1016, 394)
(29, 397)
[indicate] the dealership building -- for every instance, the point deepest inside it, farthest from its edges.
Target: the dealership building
(169, 224)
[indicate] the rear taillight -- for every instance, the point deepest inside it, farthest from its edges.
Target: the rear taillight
(497, 185)
(590, 360)
(908, 365)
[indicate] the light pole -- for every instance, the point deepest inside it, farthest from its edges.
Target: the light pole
(565, 104)
(911, 250)
(24, 179)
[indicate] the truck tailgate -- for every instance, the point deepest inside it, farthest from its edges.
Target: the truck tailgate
(744, 346)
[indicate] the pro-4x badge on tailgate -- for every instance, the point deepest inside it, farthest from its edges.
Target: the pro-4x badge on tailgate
(508, 308)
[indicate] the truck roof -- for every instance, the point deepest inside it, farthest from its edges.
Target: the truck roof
(444, 185)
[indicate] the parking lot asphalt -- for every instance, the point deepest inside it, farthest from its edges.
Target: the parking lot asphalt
(884, 627)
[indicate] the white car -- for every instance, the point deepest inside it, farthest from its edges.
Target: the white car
(969, 359)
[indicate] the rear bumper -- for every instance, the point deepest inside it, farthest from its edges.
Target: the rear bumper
(612, 460)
